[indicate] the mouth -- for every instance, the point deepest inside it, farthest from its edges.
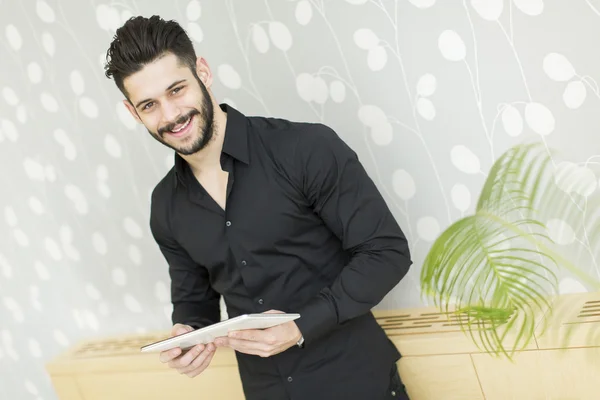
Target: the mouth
(182, 129)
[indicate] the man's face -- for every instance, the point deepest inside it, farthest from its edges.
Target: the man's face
(174, 106)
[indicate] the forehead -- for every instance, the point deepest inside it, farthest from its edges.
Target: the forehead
(154, 78)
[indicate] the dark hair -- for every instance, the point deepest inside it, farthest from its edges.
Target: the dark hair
(141, 41)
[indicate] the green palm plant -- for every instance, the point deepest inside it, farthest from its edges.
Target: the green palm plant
(497, 269)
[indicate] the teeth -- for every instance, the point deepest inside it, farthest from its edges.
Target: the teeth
(183, 127)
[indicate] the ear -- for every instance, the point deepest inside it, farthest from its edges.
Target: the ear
(203, 71)
(132, 110)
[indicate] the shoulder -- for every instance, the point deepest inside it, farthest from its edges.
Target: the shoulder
(291, 139)
(161, 198)
(164, 188)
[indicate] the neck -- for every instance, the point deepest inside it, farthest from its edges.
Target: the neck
(209, 158)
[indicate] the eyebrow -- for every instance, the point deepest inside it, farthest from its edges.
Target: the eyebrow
(169, 88)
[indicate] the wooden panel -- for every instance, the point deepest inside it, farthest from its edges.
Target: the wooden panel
(428, 331)
(113, 368)
(450, 377)
(574, 322)
(214, 383)
(571, 374)
(121, 354)
(440, 361)
(66, 388)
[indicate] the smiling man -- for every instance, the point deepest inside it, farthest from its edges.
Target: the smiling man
(275, 216)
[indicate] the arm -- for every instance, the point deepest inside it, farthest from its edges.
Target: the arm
(195, 302)
(347, 200)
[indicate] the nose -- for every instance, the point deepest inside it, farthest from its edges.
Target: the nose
(170, 112)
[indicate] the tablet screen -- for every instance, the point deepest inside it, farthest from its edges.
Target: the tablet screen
(210, 333)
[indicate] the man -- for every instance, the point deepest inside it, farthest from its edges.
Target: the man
(273, 215)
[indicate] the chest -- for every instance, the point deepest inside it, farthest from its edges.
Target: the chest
(249, 213)
(214, 184)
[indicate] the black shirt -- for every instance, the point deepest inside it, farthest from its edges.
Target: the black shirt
(304, 230)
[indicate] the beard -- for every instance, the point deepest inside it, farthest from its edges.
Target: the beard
(206, 126)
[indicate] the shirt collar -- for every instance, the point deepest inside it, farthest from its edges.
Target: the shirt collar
(235, 142)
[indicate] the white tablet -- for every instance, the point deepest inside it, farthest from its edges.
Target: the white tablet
(208, 334)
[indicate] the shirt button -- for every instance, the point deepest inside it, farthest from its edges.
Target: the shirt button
(243, 262)
(260, 301)
(228, 223)
(393, 393)
(290, 379)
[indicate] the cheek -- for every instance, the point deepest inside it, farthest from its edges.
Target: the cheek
(152, 122)
(194, 99)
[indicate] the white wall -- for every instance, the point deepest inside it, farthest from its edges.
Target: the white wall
(417, 87)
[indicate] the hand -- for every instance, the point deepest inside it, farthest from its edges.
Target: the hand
(262, 342)
(192, 362)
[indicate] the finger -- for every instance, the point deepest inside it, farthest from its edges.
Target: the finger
(168, 355)
(255, 335)
(273, 312)
(202, 366)
(250, 347)
(256, 352)
(187, 358)
(191, 355)
(198, 361)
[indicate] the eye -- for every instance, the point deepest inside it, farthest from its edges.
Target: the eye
(177, 89)
(148, 105)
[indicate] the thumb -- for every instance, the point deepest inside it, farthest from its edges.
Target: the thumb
(180, 329)
(273, 312)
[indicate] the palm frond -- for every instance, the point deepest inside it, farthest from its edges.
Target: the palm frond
(471, 267)
(498, 268)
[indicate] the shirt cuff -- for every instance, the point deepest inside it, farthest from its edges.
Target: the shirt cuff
(317, 318)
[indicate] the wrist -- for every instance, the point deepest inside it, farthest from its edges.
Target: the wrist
(299, 338)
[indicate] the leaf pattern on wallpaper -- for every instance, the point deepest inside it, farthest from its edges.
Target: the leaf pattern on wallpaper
(429, 93)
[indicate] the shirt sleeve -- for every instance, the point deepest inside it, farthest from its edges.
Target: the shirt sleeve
(195, 302)
(342, 194)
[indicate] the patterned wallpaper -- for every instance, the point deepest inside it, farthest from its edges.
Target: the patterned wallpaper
(428, 92)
